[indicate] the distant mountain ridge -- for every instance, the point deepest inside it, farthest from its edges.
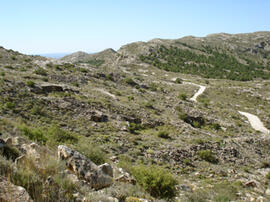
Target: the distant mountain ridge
(221, 56)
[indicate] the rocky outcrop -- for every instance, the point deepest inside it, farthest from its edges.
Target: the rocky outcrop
(11, 192)
(98, 116)
(98, 177)
(47, 88)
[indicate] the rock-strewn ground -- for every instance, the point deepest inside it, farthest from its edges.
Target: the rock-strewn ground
(125, 113)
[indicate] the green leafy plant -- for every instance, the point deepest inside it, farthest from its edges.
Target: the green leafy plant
(36, 134)
(40, 71)
(130, 81)
(30, 83)
(92, 152)
(268, 176)
(163, 134)
(10, 105)
(134, 128)
(155, 180)
(207, 155)
(58, 135)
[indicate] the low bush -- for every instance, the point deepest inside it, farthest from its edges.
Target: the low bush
(58, 135)
(134, 128)
(30, 83)
(83, 70)
(178, 80)
(153, 86)
(130, 81)
(33, 179)
(182, 96)
(268, 176)
(163, 134)
(149, 105)
(92, 152)
(215, 126)
(37, 110)
(35, 134)
(40, 71)
(155, 180)
(10, 105)
(207, 155)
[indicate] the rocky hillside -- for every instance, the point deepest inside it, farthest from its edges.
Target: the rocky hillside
(96, 59)
(139, 124)
(236, 57)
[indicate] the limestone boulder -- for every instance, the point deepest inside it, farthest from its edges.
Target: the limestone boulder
(11, 192)
(98, 177)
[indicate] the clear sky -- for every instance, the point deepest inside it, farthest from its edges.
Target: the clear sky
(52, 26)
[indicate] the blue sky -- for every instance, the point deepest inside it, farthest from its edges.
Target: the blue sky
(53, 26)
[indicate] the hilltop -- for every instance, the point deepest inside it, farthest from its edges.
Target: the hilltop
(152, 121)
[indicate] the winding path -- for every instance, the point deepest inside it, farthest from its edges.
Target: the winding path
(199, 92)
(255, 122)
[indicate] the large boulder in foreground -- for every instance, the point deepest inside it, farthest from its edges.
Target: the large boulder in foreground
(11, 192)
(98, 176)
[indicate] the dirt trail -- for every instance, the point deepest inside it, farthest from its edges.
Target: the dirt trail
(255, 122)
(198, 93)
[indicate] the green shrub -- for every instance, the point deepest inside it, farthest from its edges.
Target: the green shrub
(153, 86)
(13, 58)
(30, 83)
(130, 81)
(134, 128)
(109, 77)
(196, 124)
(75, 84)
(67, 185)
(178, 80)
(149, 105)
(58, 135)
(37, 110)
(216, 126)
(83, 70)
(29, 180)
(2, 74)
(27, 60)
(125, 162)
(33, 133)
(207, 155)
(268, 176)
(183, 116)
(10, 105)
(163, 134)
(32, 177)
(92, 152)
(155, 180)
(204, 100)
(95, 62)
(40, 71)
(130, 98)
